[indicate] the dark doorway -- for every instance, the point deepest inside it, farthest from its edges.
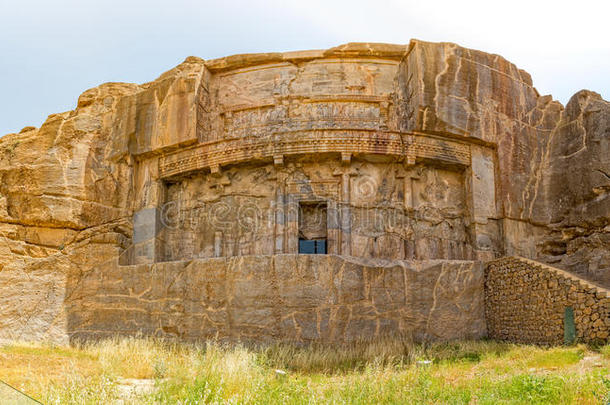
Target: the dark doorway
(312, 247)
(312, 227)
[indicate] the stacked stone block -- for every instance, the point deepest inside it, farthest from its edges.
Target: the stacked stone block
(526, 301)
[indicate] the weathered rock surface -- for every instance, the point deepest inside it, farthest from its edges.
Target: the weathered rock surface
(67, 196)
(298, 298)
(413, 152)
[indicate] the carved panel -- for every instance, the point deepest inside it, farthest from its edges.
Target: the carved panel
(312, 142)
(236, 212)
(297, 114)
(343, 76)
(313, 189)
(334, 114)
(433, 225)
(440, 149)
(254, 121)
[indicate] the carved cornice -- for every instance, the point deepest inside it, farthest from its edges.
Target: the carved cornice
(230, 151)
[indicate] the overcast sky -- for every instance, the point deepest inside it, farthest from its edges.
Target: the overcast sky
(51, 51)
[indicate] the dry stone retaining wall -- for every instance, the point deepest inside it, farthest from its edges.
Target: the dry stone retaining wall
(525, 302)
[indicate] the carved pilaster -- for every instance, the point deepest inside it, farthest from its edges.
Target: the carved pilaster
(485, 233)
(408, 175)
(345, 226)
(279, 208)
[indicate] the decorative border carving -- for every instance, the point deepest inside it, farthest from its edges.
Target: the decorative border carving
(223, 152)
(316, 112)
(320, 188)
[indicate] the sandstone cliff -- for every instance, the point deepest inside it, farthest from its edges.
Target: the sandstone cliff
(553, 162)
(69, 189)
(66, 193)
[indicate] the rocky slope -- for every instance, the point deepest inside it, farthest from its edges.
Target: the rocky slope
(66, 195)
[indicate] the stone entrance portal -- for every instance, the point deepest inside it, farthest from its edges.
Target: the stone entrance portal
(313, 230)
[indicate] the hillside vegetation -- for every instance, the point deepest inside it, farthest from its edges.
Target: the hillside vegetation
(148, 371)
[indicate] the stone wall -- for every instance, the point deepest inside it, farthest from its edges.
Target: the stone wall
(525, 302)
(302, 298)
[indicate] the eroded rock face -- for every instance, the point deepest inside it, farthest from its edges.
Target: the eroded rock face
(579, 189)
(298, 298)
(407, 152)
(63, 207)
(66, 201)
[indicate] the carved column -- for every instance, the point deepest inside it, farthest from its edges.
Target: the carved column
(291, 223)
(333, 228)
(345, 225)
(408, 175)
(279, 208)
(218, 244)
(345, 213)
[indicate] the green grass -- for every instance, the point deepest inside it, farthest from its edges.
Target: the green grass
(605, 351)
(476, 372)
(556, 357)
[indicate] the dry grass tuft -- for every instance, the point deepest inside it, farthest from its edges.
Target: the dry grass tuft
(318, 358)
(385, 371)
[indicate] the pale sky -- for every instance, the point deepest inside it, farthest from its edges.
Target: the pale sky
(52, 51)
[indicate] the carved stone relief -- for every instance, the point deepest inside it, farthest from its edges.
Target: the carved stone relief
(259, 210)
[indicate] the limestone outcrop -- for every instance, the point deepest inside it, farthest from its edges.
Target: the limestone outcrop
(375, 152)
